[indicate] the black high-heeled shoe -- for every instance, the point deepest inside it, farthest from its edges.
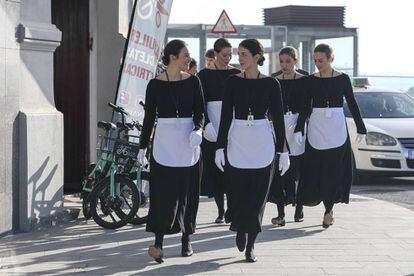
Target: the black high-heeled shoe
(156, 253)
(186, 248)
(219, 219)
(241, 241)
(299, 218)
(328, 220)
(298, 214)
(278, 221)
(250, 257)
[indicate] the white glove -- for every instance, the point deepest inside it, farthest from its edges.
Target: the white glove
(298, 137)
(359, 138)
(284, 162)
(210, 133)
(141, 157)
(219, 159)
(195, 138)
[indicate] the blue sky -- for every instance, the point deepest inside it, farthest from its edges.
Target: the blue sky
(386, 28)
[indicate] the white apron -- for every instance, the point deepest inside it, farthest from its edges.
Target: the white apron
(290, 124)
(250, 146)
(327, 128)
(171, 145)
(214, 113)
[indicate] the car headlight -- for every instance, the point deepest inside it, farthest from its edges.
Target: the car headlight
(379, 139)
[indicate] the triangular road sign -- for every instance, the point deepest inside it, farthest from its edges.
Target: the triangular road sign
(224, 25)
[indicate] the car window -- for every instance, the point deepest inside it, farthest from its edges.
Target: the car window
(383, 105)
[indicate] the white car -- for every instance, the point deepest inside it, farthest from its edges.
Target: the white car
(388, 149)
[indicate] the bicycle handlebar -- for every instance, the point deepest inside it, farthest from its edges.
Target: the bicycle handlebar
(119, 109)
(112, 105)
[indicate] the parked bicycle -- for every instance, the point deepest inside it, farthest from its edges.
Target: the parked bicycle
(109, 193)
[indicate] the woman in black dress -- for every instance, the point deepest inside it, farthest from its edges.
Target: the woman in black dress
(248, 138)
(327, 167)
(293, 84)
(175, 98)
(213, 78)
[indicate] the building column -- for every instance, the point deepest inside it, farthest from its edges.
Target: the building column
(276, 44)
(40, 125)
(9, 99)
(356, 53)
(203, 47)
(105, 60)
(311, 61)
(305, 56)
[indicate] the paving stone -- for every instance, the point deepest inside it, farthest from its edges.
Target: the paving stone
(354, 245)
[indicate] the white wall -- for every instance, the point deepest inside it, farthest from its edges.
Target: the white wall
(9, 102)
(104, 62)
(31, 129)
(40, 124)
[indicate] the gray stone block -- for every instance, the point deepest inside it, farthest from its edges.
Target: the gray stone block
(41, 168)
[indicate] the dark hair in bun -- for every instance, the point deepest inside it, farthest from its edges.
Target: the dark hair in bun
(261, 60)
(172, 48)
(193, 63)
(254, 47)
(220, 44)
(209, 53)
(324, 48)
(290, 51)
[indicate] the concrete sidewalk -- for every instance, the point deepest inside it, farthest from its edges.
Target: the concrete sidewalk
(369, 237)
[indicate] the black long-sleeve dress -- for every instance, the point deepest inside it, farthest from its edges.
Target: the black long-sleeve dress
(250, 145)
(283, 188)
(213, 81)
(174, 164)
(327, 166)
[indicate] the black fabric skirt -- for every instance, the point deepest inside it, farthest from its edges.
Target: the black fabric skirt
(174, 198)
(213, 181)
(283, 188)
(326, 175)
(250, 189)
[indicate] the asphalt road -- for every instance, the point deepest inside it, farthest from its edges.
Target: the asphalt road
(397, 190)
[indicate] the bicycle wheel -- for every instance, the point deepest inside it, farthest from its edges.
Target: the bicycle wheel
(143, 187)
(142, 213)
(87, 187)
(114, 212)
(86, 205)
(86, 198)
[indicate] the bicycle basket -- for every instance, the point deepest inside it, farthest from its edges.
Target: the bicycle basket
(118, 150)
(125, 149)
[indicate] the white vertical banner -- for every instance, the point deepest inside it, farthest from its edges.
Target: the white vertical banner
(143, 49)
